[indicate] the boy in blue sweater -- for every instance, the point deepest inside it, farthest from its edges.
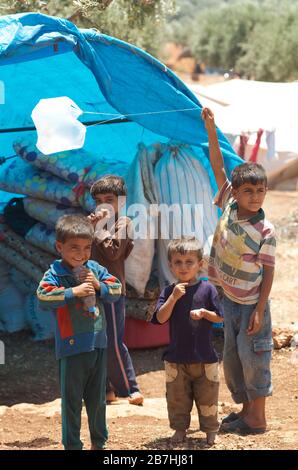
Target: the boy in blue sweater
(80, 334)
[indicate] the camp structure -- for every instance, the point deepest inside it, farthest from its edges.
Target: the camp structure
(245, 107)
(142, 123)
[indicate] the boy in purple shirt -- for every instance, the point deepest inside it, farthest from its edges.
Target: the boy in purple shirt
(191, 363)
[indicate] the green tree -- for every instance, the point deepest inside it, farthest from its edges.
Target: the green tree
(138, 21)
(257, 38)
(21, 6)
(51, 7)
(222, 34)
(270, 54)
(184, 24)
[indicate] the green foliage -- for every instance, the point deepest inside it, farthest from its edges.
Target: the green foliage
(90, 5)
(270, 54)
(21, 6)
(62, 8)
(223, 33)
(257, 38)
(140, 22)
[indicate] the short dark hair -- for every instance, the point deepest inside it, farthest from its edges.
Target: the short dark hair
(185, 245)
(109, 184)
(73, 226)
(252, 173)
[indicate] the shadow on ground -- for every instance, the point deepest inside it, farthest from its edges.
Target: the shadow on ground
(30, 372)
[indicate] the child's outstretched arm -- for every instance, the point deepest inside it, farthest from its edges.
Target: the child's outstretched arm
(216, 158)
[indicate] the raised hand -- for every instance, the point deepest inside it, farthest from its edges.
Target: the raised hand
(179, 290)
(100, 215)
(208, 117)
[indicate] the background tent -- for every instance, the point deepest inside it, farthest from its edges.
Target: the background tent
(247, 105)
(46, 57)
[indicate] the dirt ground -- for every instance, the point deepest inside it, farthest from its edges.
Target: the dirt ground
(29, 393)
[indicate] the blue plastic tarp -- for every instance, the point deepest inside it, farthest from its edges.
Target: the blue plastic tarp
(44, 57)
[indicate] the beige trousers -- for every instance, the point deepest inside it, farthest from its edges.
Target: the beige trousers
(186, 383)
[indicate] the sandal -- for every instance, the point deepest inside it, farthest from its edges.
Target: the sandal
(241, 427)
(230, 418)
(136, 398)
(111, 397)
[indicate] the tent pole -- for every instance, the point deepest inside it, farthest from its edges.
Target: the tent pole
(87, 123)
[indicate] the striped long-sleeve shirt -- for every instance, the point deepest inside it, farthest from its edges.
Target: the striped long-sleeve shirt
(241, 247)
(77, 330)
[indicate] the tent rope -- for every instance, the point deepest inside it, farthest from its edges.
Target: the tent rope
(122, 116)
(117, 119)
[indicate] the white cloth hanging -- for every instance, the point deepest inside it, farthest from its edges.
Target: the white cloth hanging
(270, 141)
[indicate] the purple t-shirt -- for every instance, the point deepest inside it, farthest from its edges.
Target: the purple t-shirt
(190, 340)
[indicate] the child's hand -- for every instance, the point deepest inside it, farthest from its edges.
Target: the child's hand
(93, 219)
(197, 314)
(208, 117)
(83, 290)
(87, 276)
(255, 323)
(100, 215)
(179, 290)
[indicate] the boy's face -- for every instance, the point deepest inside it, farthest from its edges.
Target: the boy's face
(109, 199)
(250, 198)
(75, 251)
(185, 267)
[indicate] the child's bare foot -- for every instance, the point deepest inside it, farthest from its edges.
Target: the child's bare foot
(111, 397)
(178, 437)
(93, 447)
(211, 438)
(136, 398)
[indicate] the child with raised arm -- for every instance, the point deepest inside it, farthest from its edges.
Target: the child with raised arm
(80, 334)
(242, 262)
(191, 363)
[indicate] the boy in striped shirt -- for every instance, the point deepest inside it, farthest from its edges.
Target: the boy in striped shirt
(242, 262)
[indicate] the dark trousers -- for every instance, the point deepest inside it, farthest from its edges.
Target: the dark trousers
(120, 372)
(83, 377)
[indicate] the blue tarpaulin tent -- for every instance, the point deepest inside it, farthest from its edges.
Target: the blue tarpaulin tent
(44, 57)
(142, 100)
